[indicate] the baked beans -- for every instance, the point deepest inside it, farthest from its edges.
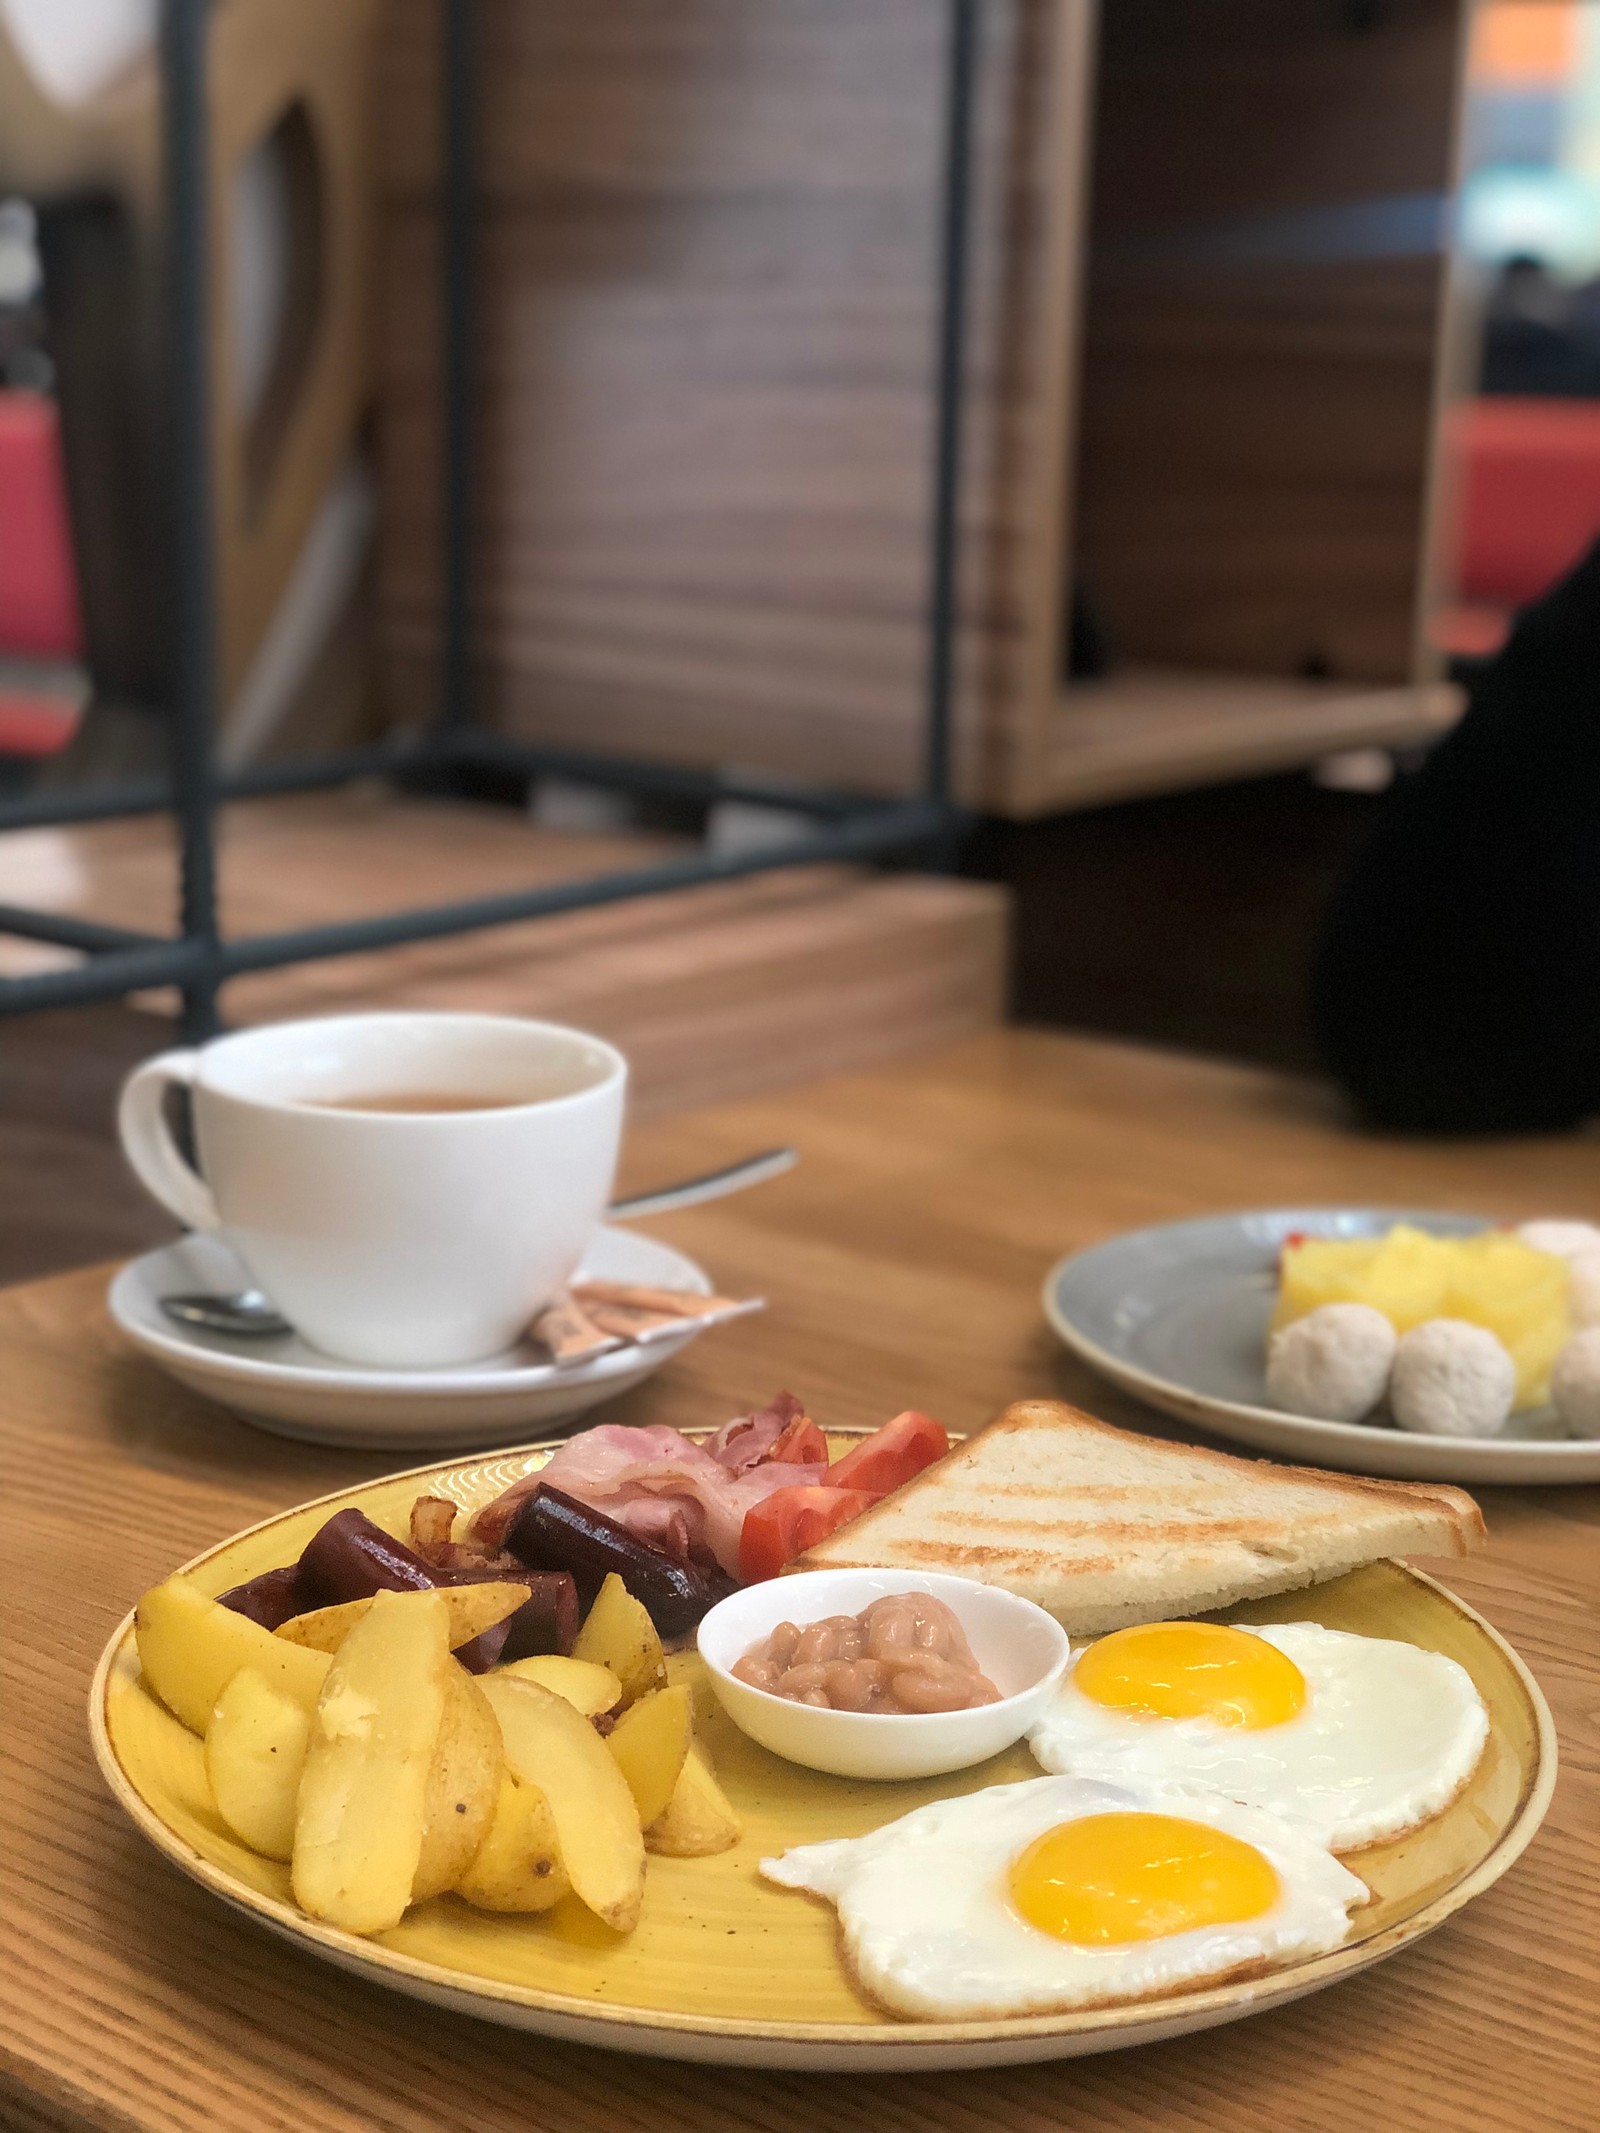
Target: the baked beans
(905, 1653)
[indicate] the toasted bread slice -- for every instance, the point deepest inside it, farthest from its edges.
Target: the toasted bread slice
(1103, 1527)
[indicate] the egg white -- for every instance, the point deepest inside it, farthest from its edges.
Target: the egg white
(1387, 1737)
(930, 1930)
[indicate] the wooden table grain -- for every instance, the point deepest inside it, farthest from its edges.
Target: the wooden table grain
(903, 1259)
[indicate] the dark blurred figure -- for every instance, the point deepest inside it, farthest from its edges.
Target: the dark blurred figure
(1457, 987)
(1538, 337)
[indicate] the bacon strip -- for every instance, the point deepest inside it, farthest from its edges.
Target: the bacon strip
(747, 1439)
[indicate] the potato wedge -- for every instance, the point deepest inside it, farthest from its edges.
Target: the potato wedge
(255, 1751)
(364, 1795)
(699, 1819)
(463, 1786)
(190, 1649)
(619, 1634)
(588, 1688)
(649, 1742)
(472, 1610)
(518, 1865)
(550, 1745)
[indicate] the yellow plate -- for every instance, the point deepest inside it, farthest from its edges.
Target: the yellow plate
(725, 1967)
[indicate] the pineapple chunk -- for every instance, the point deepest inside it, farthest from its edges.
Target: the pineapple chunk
(1410, 1277)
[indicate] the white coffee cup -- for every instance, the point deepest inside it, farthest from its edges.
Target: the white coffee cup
(417, 1238)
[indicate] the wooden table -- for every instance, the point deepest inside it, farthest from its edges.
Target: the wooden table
(903, 1260)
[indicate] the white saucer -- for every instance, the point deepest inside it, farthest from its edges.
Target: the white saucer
(294, 1390)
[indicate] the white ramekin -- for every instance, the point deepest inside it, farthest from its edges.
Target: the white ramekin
(1023, 1651)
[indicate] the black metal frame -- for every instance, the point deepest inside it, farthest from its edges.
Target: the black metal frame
(198, 960)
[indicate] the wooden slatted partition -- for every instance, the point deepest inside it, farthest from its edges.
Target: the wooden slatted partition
(708, 257)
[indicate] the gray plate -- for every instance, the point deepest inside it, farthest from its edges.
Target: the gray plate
(1178, 1316)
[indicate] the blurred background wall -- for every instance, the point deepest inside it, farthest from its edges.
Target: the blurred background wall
(1282, 399)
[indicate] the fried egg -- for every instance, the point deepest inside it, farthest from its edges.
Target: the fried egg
(1357, 1738)
(1060, 1892)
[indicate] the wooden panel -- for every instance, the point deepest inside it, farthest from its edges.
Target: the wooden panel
(705, 401)
(1144, 730)
(903, 1259)
(714, 992)
(1261, 330)
(304, 59)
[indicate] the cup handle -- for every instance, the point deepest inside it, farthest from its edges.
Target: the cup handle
(148, 1144)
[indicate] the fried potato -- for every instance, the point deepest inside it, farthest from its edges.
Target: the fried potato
(518, 1865)
(699, 1819)
(255, 1751)
(588, 1688)
(550, 1745)
(364, 1795)
(619, 1634)
(463, 1785)
(190, 1649)
(649, 1743)
(472, 1610)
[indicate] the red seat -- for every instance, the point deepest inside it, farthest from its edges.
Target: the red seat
(1528, 504)
(39, 617)
(38, 589)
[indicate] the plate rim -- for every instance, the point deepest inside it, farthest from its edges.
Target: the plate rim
(172, 1351)
(1149, 1385)
(618, 2027)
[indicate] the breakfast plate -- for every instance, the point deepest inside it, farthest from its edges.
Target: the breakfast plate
(724, 1967)
(1178, 1316)
(294, 1390)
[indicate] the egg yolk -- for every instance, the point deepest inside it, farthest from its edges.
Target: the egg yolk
(1192, 1670)
(1124, 1877)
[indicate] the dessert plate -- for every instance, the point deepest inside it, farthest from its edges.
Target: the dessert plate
(724, 1967)
(294, 1390)
(1178, 1316)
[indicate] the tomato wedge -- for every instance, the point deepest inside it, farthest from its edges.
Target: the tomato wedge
(801, 1444)
(892, 1454)
(789, 1521)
